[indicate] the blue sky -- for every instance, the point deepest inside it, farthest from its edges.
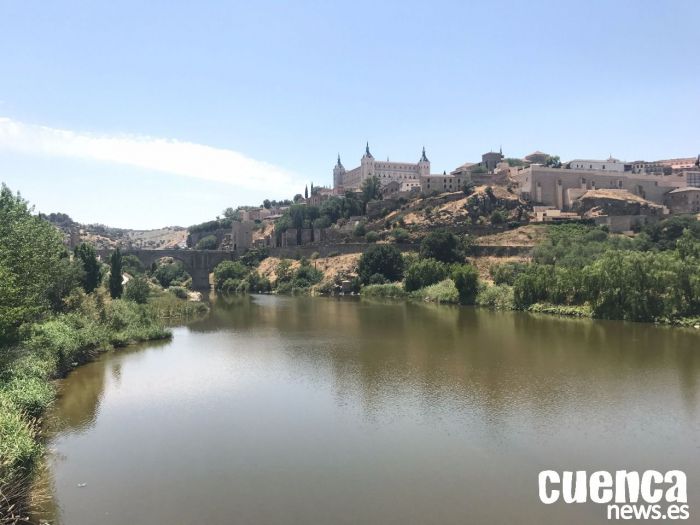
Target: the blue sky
(144, 114)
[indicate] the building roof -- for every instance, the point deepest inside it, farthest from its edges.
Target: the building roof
(684, 190)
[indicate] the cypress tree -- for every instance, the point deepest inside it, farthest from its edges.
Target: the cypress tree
(115, 275)
(85, 254)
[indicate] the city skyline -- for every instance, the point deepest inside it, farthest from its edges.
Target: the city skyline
(181, 113)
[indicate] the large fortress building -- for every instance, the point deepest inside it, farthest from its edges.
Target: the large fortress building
(407, 174)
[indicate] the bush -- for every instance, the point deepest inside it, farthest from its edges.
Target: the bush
(443, 292)
(359, 230)
(372, 237)
(424, 272)
(440, 245)
(466, 280)
(400, 235)
(497, 297)
(382, 259)
(207, 243)
(227, 272)
(498, 217)
(506, 273)
(179, 292)
(384, 291)
(170, 273)
(137, 290)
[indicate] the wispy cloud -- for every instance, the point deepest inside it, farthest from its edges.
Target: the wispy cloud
(160, 154)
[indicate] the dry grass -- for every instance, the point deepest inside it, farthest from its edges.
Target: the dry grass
(529, 235)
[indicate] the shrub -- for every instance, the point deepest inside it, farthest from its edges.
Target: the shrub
(531, 285)
(226, 272)
(440, 245)
(359, 230)
(382, 259)
(170, 273)
(442, 292)
(468, 188)
(252, 258)
(208, 242)
(466, 280)
(132, 265)
(179, 292)
(498, 217)
(372, 237)
(506, 273)
(137, 290)
(497, 297)
(400, 235)
(424, 272)
(386, 291)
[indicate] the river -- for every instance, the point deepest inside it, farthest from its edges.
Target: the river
(280, 410)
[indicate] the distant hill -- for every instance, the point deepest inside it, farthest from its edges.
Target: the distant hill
(102, 236)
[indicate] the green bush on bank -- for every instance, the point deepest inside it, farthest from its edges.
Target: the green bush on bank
(496, 297)
(384, 291)
(443, 292)
(424, 272)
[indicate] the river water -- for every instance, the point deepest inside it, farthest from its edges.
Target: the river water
(276, 410)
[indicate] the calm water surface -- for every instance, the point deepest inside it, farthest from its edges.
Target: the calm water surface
(319, 411)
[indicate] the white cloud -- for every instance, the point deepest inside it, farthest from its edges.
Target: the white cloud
(165, 155)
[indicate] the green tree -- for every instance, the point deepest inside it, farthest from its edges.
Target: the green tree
(207, 243)
(87, 257)
(424, 272)
(384, 260)
(232, 271)
(552, 161)
(267, 204)
(466, 279)
(115, 274)
(137, 290)
(371, 189)
(441, 246)
(32, 260)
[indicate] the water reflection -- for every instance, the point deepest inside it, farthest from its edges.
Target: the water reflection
(320, 410)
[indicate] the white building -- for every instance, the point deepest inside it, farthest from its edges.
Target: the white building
(597, 165)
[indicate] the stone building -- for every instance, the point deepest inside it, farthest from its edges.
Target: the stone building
(560, 187)
(406, 173)
(241, 235)
(454, 181)
(683, 200)
(490, 160)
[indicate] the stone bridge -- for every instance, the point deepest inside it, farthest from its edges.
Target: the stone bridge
(198, 263)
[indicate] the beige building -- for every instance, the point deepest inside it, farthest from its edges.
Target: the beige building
(241, 235)
(560, 187)
(683, 200)
(405, 173)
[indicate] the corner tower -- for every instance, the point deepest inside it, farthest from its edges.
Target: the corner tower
(366, 164)
(338, 176)
(424, 165)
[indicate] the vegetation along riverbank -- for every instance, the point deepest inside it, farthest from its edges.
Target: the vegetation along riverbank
(574, 269)
(57, 310)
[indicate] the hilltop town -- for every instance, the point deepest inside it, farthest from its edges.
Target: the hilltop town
(493, 200)
(497, 192)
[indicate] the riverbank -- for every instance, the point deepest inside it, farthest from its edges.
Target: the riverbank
(48, 350)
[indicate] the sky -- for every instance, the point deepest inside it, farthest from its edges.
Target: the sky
(146, 114)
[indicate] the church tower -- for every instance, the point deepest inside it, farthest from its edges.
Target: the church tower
(424, 165)
(338, 176)
(366, 164)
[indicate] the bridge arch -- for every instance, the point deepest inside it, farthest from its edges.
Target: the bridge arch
(198, 263)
